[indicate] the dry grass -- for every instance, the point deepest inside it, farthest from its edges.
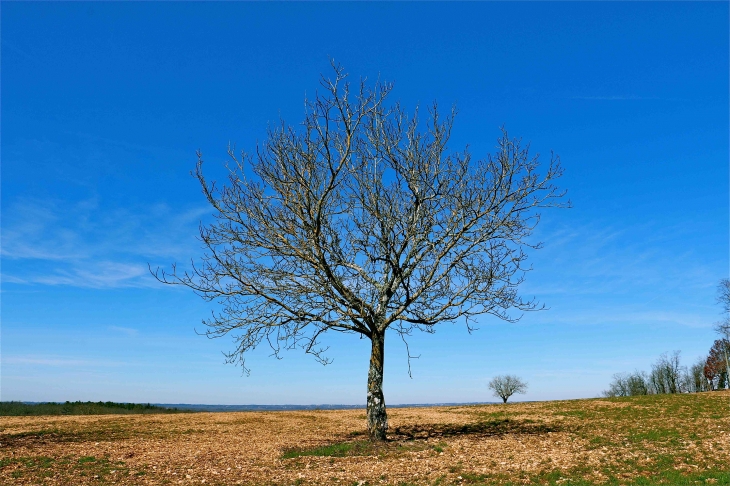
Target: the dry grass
(642, 440)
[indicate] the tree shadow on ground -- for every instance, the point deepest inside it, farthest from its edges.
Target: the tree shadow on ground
(416, 437)
(90, 434)
(45, 437)
(488, 428)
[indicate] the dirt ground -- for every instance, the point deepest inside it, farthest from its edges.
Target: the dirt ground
(540, 442)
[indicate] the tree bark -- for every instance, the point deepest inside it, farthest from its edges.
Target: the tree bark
(504, 400)
(377, 417)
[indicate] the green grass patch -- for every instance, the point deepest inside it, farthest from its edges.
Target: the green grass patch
(655, 435)
(563, 478)
(37, 462)
(37, 468)
(331, 450)
(357, 448)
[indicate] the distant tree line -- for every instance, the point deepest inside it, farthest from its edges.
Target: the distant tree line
(81, 408)
(669, 376)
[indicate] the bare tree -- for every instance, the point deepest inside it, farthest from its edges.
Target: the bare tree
(723, 294)
(504, 386)
(628, 385)
(666, 373)
(723, 327)
(362, 221)
(667, 376)
(696, 381)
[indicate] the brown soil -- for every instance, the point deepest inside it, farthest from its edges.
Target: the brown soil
(444, 445)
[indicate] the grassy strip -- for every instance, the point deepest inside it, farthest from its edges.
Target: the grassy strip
(81, 408)
(341, 449)
(360, 448)
(666, 477)
(557, 478)
(101, 469)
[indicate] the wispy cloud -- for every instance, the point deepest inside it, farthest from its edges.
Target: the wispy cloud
(598, 315)
(603, 272)
(81, 244)
(623, 98)
(615, 256)
(60, 362)
(97, 275)
(125, 330)
(614, 98)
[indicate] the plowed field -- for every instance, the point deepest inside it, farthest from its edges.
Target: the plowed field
(678, 439)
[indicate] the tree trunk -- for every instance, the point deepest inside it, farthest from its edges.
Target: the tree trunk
(377, 417)
(504, 400)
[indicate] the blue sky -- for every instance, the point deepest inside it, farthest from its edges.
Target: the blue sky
(105, 104)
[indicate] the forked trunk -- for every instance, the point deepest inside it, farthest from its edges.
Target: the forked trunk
(377, 417)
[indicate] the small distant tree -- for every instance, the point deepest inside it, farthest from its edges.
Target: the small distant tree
(504, 386)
